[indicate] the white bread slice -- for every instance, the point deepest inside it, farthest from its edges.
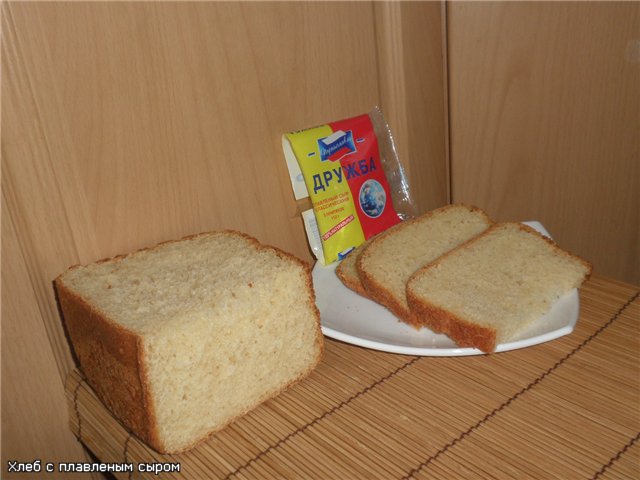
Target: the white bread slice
(347, 270)
(385, 265)
(180, 339)
(348, 273)
(494, 286)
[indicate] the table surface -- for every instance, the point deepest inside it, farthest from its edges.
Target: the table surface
(569, 408)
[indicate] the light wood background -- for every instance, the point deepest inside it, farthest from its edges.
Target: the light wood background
(126, 124)
(545, 121)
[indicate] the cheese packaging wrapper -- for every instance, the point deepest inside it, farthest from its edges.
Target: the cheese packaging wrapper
(350, 171)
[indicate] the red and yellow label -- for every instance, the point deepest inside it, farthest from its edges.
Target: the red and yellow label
(340, 163)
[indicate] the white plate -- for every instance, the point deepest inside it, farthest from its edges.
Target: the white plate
(351, 318)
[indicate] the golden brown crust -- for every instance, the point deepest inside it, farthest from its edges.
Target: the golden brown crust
(349, 281)
(109, 357)
(378, 291)
(112, 357)
(464, 333)
(460, 330)
(384, 297)
(374, 289)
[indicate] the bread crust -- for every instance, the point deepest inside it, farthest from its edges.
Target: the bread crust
(460, 330)
(349, 282)
(379, 292)
(464, 333)
(112, 357)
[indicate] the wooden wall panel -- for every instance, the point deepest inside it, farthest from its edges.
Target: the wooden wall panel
(545, 116)
(413, 91)
(129, 123)
(34, 419)
(169, 115)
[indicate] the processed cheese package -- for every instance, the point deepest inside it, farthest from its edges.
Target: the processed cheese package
(356, 184)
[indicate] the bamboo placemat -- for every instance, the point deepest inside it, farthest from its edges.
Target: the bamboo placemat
(564, 409)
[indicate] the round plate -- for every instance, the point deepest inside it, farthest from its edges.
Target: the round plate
(354, 319)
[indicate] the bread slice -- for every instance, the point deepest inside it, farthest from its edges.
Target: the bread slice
(385, 265)
(347, 270)
(348, 273)
(489, 289)
(180, 339)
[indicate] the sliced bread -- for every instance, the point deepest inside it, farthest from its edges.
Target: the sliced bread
(180, 339)
(494, 286)
(386, 263)
(348, 273)
(347, 270)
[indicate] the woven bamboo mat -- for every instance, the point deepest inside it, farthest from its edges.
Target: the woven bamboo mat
(564, 409)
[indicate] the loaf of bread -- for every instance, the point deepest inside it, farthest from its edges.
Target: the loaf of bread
(180, 339)
(487, 290)
(386, 263)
